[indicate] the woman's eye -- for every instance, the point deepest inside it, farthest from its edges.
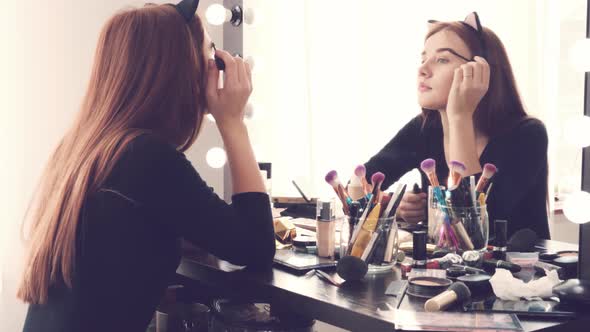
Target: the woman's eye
(442, 60)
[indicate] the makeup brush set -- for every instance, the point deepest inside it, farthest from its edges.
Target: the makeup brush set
(460, 217)
(370, 214)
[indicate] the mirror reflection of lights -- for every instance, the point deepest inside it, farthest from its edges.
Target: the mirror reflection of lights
(579, 55)
(250, 60)
(575, 207)
(216, 157)
(249, 111)
(576, 131)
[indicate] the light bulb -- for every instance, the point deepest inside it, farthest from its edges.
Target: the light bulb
(216, 157)
(575, 207)
(248, 111)
(249, 17)
(576, 131)
(579, 55)
(250, 60)
(216, 14)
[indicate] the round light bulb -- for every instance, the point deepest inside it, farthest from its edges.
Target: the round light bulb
(249, 17)
(250, 60)
(216, 157)
(248, 111)
(575, 207)
(579, 55)
(216, 14)
(576, 131)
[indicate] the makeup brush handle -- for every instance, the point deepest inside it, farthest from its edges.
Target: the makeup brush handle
(441, 301)
(464, 237)
(361, 243)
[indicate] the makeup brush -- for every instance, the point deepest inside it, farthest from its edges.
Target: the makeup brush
(332, 179)
(366, 232)
(356, 187)
(376, 180)
(457, 292)
(457, 170)
(361, 172)
(488, 171)
(351, 268)
(428, 166)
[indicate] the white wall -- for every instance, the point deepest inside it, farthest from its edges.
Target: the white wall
(46, 55)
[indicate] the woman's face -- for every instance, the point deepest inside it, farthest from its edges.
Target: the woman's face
(435, 75)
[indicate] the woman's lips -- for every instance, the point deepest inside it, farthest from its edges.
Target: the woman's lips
(423, 87)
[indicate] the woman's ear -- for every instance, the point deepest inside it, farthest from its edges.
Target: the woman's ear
(473, 21)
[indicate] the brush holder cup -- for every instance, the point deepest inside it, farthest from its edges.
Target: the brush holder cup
(374, 249)
(458, 229)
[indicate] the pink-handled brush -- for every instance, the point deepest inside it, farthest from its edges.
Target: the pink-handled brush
(488, 171)
(428, 166)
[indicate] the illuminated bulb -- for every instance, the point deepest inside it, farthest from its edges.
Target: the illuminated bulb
(249, 17)
(577, 131)
(216, 14)
(216, 157)
(575, 207)
(250, 60)
(248, 111)
(579, 55)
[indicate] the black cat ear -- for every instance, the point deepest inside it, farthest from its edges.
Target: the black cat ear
(431, 23)
(187, 8)
(473, 21)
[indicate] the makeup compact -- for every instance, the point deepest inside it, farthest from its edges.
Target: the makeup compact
(477, 283)
(455, 271)
(427, 287)
(567, 260)
(305, 244)
(569, 264)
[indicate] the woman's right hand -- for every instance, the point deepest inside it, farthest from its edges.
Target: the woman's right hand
(227, 104)
(412, 208)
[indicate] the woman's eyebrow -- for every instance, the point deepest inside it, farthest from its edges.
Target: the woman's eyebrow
(452, 51)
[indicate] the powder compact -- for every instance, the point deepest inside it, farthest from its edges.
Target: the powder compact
(567, 260)
(477, 283)
(427, 287)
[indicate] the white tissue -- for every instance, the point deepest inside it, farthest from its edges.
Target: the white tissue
(506, 287)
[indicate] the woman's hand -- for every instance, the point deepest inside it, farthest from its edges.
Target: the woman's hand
(470, 84)
(227, 104)
(412, 208)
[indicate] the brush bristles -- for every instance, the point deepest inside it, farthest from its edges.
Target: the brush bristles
(360, 171)
(377, 178)
(489, 170)
(428, 165)
(331, 176)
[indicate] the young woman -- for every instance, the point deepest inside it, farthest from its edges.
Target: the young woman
(118, 193)
(472, 112)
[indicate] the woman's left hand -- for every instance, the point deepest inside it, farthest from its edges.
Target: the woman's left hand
(470, 84)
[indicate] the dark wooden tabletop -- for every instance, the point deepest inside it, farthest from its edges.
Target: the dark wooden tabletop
(357, 306)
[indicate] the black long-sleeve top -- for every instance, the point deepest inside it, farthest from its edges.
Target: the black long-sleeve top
(519, 192)
(127, 247)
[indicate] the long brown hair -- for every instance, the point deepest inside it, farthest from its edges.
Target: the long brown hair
(148, 77)
(501, 108)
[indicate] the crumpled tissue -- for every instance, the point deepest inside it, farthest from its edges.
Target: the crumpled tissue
(506, 287)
